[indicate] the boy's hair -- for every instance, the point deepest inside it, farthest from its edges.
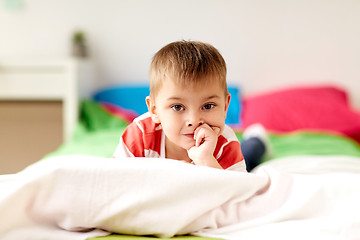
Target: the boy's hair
(187, 62)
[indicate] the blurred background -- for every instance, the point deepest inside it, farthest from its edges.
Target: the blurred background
(266, 44)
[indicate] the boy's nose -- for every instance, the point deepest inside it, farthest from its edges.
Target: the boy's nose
(194, 120)
(191, 124)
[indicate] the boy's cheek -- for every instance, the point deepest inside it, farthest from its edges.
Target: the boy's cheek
(217, 130)
(220, 131)
(222, 127)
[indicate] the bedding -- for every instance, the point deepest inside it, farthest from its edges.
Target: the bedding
(79, 196)
(320, 163)
(324, 108)
(99, 131)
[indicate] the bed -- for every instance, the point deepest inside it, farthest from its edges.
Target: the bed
(299, 120)
(307, 187)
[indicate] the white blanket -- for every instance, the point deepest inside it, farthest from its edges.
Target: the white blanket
(77, 197)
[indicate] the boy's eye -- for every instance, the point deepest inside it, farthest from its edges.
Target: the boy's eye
(177, 107)
(208, 106)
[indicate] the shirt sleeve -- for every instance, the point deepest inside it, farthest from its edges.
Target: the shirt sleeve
(232, 158)
(131, 143)
(228, 151)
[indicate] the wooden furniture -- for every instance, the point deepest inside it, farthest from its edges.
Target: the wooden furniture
(38, 109)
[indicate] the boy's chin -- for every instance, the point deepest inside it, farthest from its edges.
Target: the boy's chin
(184, 143)
(188, 146)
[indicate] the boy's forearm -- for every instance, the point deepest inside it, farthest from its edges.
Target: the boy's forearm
(210, 162)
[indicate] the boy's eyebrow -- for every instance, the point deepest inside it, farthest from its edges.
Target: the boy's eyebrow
(206, 98)
(179, 98)
(213, 96)
(174, 98)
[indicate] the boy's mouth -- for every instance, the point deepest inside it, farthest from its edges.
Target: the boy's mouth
(189, 135)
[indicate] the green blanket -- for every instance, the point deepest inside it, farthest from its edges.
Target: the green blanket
(98, 134)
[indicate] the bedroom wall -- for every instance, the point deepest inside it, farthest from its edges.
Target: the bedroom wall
(267, 44)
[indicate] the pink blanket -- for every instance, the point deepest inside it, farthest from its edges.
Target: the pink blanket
(314, 108)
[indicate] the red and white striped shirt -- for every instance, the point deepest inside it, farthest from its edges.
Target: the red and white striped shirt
(145, 138)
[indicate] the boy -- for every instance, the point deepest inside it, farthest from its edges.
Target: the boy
(187, 107)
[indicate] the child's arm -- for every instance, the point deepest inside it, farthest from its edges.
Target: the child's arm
(205, 142)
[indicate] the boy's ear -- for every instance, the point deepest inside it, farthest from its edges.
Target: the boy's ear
(227, 103)
(152, 109)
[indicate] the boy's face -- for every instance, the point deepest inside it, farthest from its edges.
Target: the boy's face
(181, 109)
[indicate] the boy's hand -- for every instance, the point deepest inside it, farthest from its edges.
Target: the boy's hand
(205, 142)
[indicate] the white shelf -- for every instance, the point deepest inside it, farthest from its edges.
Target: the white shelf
(43, 80)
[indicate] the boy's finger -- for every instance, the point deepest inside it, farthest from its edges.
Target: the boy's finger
(199, 137)
(199, 141)
(204, 125)
(216, 130)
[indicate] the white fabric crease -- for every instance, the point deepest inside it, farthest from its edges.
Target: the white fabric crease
(77, 197)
